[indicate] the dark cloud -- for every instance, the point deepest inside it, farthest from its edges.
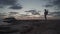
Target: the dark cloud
(53, 3)
(56, 2)
(13, 12)
(7, 2)
(16, 7)
(55, 13)
(10, 3)
(56, 5)
(34, 12)
(48, 5)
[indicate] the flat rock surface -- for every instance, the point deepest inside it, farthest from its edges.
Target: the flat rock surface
(36, 27)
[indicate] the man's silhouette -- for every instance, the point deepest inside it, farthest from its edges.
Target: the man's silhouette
(45, 14)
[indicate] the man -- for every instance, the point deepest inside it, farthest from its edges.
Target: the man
(45, 14)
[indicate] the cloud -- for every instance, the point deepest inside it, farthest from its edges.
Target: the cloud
(55, 13)
(34, 12)
(53, 3)
(13, 12)
(56, 2)
(56, 5)
(48, 5)
(10, 3)
(2, 14)
(15, 7)
(7, 2)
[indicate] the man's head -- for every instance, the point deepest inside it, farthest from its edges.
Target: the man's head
(45, 10)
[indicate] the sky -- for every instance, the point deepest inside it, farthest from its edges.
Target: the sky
(25, 5)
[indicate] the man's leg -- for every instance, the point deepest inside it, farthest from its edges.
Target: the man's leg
(45, 17)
